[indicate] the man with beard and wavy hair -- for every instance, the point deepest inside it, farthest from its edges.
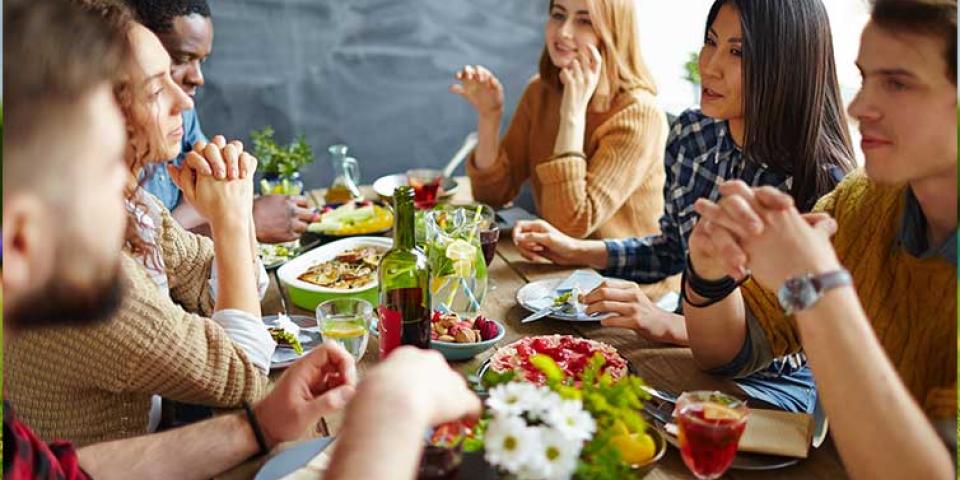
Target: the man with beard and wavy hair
(63, 232)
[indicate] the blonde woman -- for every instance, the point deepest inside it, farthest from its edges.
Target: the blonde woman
(188, 327)
(587, 132)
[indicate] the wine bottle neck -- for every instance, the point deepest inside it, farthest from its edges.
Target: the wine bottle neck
(404, 237)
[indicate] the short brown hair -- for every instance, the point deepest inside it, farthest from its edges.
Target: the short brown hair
(54, 54)
(925, 17)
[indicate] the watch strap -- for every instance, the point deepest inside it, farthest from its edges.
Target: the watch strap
(792, 300)
(825, 282)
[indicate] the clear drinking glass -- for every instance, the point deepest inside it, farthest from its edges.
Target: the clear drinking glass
(710, 425)
(346, 321)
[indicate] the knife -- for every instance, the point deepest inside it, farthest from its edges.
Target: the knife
(660, 394)
(543, 312)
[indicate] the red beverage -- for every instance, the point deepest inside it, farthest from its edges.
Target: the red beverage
(425, 194)
(404, 320)
(443, 452)
(709, 434)
(426, 187)
(488, 243)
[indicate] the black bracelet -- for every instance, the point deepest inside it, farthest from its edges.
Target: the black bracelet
(713, 290)
(257, 432)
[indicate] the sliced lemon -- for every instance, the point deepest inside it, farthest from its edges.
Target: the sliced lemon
(460, 250)
(343, 330)
(713, 411)
(635, 448)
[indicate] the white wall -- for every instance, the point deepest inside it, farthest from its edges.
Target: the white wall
(670, 30)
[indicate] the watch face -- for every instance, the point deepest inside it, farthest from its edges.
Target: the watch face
(797, 294)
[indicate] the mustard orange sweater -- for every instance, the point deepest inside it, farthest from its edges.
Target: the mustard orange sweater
(616, 193)
(911, 302)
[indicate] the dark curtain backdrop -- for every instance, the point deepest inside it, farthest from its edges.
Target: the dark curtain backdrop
(369, 73)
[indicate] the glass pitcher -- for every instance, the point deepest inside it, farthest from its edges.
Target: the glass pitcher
(346, 171)
(458, 273)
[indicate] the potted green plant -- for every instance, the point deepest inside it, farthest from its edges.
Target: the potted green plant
(280, 164)
(692, 69)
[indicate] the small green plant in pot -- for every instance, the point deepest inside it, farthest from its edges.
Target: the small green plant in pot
(280, 165)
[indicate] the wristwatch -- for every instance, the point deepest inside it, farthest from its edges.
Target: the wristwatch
(803, 292)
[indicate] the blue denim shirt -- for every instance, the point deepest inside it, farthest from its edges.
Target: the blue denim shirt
(912, 235)
(158, 181)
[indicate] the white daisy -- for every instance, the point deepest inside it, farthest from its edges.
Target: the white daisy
(541, 403)
(513, 399)
(510, 443)
(571, 420)
(556, 459)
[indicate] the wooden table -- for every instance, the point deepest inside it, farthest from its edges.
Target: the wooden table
(663, 366)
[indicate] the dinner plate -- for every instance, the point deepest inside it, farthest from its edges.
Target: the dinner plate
(384, 186)
(293, 459)
(284, 357)
(534, 291)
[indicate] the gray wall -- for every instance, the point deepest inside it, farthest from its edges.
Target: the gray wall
(373, 74)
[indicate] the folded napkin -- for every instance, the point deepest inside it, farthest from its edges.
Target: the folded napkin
(771, 432)
(579, 282)
(584, 281)
(775, 432)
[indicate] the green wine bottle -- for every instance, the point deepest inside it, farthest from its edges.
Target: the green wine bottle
(404, 311)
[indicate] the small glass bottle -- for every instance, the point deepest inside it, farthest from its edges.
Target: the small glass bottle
(346, 171)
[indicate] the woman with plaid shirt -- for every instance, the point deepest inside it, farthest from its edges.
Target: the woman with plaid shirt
(771, 114)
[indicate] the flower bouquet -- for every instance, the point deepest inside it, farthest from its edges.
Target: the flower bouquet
(591, 429)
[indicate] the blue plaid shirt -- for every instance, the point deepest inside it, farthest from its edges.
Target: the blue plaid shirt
(700, 156)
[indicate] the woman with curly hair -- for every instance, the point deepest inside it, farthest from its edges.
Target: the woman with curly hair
(189, 327)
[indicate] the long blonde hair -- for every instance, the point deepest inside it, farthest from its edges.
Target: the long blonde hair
(615, 22)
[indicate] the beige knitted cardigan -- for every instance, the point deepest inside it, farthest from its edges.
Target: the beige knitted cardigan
(93, 384)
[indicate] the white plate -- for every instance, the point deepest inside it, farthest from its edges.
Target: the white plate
(284, 357)
(288, 273)
(537, 290)
(293, 459)
(384, 186)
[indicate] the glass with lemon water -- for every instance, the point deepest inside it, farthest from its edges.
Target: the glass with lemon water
(458, 272)
(346, 321)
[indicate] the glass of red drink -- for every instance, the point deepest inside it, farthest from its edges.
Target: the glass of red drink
(710, 425)
(489, 232)
(426, 186)
(443, 452)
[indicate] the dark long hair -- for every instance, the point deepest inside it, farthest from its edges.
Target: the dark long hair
(794, 117)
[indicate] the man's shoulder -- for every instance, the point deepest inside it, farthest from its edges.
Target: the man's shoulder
(857, 193)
